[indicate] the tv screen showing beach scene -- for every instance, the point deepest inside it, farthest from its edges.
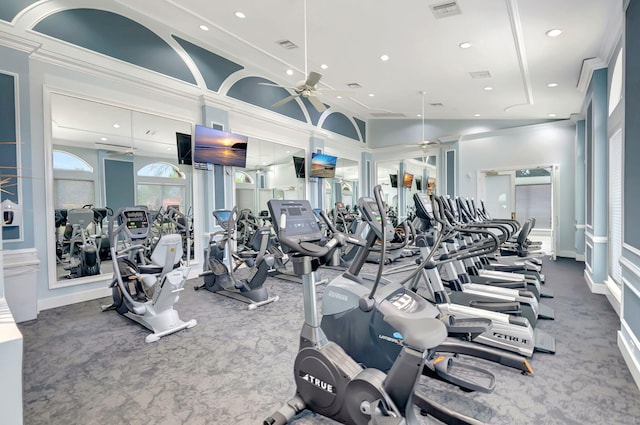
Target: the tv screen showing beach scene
(407, 180)
(323, 165)
(219, 147)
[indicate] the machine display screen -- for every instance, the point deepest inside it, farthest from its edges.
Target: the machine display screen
(136, 219)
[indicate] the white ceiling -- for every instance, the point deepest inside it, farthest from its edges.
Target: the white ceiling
(508, 40)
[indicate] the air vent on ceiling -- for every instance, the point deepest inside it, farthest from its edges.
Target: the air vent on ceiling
(388, 115)
(287, 44)
(354, 86)
(150, 132)
(446, 9)
(480, 74)
(437, 105)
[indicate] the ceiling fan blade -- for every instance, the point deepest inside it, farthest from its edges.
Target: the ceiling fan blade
(283, 101)
(317, 104)
(312, 79)
(276, 85)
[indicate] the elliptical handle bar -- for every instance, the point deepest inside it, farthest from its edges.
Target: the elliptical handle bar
(305, 247)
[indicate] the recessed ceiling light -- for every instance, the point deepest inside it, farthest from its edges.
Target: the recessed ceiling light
(552, 115)
(552, 85)
(324, 66)
(384, 58)
(465, 45)
(104, 139)
(289, 71)
(204, 28)
(371, 95)
(418, 115)
(554, 32)
(240, 15)
(116, 125)
(168, 149)
(488, 88)
(339, 97)
(476, 115)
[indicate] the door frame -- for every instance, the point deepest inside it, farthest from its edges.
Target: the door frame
(555, 185)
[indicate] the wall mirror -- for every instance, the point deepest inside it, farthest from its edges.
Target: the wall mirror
(105, 157)
(273, 171)
(344, 187)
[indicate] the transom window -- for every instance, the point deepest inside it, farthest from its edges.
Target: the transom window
(161, 169)
(67, 161)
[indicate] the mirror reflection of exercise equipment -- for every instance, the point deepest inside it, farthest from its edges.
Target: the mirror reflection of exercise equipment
(273, 171)
(106, 157)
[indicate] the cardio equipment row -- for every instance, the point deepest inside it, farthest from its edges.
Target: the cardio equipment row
(362, 360)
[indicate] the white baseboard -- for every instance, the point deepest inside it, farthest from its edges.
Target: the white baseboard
(628, 354)
(78, 297)
(595, 288)
(614, 295)
(580, 257)
(566, 254)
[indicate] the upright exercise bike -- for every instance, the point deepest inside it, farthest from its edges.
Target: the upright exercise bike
(145, 291)
(328, 380)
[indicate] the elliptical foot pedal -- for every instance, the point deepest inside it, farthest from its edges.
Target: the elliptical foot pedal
(465, 376)
(546, 312)
(544, 342)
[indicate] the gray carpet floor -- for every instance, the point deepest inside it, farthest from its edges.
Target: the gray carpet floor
(82, 366)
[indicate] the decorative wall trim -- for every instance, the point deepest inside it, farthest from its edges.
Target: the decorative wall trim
(614, 294)
(581, 226)
(595, 288)
(580, 257)
(632, 249)
(628, 353)
(77, 297)
(18, 43)
(566, 254)
(628, 265)
(600, 239)
(588, 67)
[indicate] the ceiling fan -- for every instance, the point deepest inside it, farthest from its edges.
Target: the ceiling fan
(425, 144)
(308, 88)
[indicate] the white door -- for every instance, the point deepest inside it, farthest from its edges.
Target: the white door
(499, 194)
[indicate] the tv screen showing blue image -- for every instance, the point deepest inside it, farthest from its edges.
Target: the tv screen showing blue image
(219, 147)
(323, 165)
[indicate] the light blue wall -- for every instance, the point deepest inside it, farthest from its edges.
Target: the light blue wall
(543, 144)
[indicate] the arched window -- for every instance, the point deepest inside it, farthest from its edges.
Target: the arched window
(242, 177)
(160, 184)
(67, 161)
(161, 169)
(73, 181)
(615, 92)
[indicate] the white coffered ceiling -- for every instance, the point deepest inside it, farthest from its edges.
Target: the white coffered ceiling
(507, 40)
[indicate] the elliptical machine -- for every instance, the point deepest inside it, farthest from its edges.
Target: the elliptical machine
(80, 245)
(328, 380)
(144, 291)
(220, 279)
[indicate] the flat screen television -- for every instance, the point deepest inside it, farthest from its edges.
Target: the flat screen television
(183, 142)
(212, 146)
(323, 165)
(407, 180)
(298, 164)
(394, 180)
(418, 184)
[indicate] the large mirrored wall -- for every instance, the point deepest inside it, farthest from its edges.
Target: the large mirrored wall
(103, 158)
(409, 176)
(273, 171)
(344, 187)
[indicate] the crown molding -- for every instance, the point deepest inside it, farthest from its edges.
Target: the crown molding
(18, 43)
(588, 67)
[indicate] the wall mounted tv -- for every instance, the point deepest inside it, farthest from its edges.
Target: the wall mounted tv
(183, 142)
(298, 164)
(407, 180)
(211, 146)
(394, 180)
(323, 165)
(418, 184)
